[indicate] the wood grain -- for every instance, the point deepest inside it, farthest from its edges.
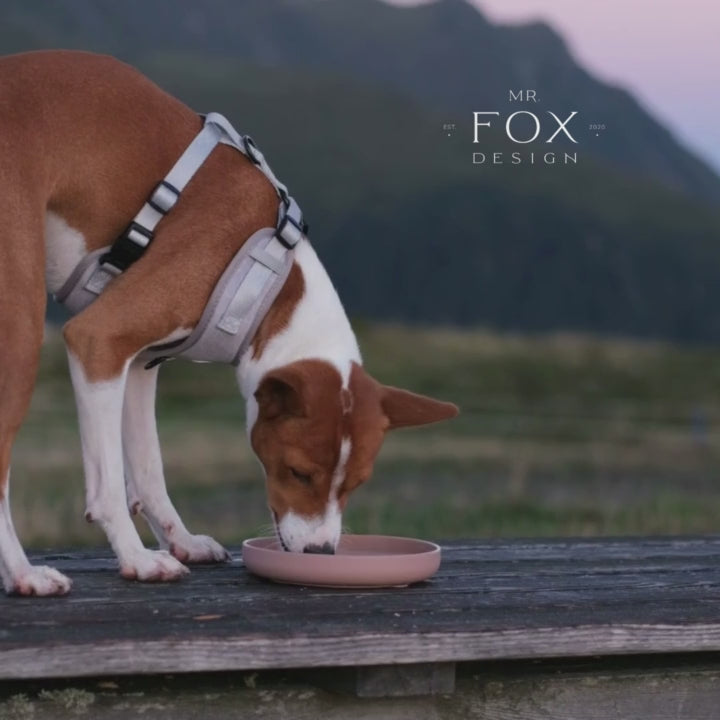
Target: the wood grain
(489, 601)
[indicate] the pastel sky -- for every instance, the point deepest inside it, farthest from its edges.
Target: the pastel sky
(667, 52)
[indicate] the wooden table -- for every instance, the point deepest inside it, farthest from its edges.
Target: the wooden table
(516, 629)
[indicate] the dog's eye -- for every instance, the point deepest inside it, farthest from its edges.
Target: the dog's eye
(304, 479)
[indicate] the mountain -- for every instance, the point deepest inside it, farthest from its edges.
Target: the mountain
(444, 54)
(410, 229)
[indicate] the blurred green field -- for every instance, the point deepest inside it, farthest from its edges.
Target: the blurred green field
(559, 435)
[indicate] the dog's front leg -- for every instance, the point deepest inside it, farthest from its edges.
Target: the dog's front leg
(144, 473)
(99, 375)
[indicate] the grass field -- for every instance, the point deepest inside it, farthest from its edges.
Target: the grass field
(559, 435)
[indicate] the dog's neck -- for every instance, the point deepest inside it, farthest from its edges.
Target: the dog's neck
(317, 327)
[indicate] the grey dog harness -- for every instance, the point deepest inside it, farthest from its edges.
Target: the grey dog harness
(247, 287)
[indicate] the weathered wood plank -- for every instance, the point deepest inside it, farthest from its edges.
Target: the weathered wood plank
(514, 599)
(504, 551)
(250, 653)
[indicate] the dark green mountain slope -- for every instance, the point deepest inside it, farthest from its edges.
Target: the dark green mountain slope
(445, 54)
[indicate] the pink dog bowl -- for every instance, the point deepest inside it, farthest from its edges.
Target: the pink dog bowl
(359, 561)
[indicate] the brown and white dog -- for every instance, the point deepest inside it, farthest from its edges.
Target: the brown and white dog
(83, 141)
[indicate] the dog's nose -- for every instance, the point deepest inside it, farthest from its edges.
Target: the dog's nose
(324, 549)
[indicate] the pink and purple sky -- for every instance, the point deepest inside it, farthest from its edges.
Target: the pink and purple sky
(666, 52)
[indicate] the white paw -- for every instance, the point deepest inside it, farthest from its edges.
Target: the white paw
(40, 580)
(152, 566)
(198, 549)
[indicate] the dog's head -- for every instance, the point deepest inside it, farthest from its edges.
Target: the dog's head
(318, 440)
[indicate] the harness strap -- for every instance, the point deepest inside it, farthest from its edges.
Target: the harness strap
(240, 300)
(135, 239)
(248, 286)
(133, 242)
(246, 145)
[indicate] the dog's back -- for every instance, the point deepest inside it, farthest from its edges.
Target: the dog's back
(83, 136)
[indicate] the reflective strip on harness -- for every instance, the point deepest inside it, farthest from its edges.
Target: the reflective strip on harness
(239, 302)
(249, 284)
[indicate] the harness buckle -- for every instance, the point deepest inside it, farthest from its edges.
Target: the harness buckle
(163, 197)
(128, 248)
(290, 231)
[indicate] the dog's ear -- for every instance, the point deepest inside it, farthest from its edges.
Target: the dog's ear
(404, 409)
(281, 393)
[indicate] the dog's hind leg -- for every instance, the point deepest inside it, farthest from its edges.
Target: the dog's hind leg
(144, 473)
(22, 322)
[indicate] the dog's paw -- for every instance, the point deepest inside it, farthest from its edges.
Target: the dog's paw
(41, 581)
(198, 549)
(152, 566)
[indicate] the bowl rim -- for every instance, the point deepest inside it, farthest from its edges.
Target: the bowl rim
(374, 568)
